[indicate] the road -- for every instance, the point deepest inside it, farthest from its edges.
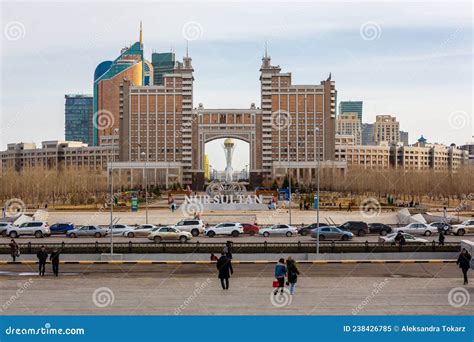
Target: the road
(223, 239)
(375, 289)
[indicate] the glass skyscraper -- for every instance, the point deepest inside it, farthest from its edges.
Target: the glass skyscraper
(351, 107)
(163, 63)
(78, 122)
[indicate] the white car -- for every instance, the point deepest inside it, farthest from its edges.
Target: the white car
(193, 226)
(463, 228)
(37, 228)
(119, 229)
(227, 228)
(279, 229)
(169, 234)
(4, 226)
(141, 230)
(417, 229)
(390, 238)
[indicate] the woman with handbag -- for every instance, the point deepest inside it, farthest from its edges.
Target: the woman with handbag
(292, 274)
(280, 274)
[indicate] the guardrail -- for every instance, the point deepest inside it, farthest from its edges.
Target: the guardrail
(238, 247)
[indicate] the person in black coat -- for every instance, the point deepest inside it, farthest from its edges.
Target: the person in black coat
(464, 262)
(292, 274)
(42, 256)
(441, 237)
(224, 266)
(54, 257)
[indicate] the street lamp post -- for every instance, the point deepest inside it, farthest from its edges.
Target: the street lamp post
(317, 188)
(289, 178)
(112, 198)
(143, 154)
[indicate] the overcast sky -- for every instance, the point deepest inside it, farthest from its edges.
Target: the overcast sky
(411, 60)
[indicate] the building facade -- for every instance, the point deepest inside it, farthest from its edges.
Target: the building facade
(386, 129)
(367, 134)
(418, 157)
(78, 118)
(351, 107)
(349, 124)
(57, 155)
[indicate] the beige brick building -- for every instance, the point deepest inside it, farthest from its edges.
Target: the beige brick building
(386, 129)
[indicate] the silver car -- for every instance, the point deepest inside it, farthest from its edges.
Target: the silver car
(90, 231)
(140, 231)
(331, 233)
(279, 229)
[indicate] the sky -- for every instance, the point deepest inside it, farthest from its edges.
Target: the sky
(411, 60)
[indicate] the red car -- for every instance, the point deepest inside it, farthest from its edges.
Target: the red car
(250, 229)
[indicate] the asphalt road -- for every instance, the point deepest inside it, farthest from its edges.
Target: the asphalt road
(223, 239)
(375, 289)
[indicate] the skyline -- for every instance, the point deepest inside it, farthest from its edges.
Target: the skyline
(418, 69)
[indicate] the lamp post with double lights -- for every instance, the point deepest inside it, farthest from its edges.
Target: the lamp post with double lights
(143, 154)
(317, 135)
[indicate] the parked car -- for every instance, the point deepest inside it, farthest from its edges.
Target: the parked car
(390, 239)
(141, 230)
(464, 228)
(250, 229)
(379, 228)
(4, 226)
(306, 230)
(331, 233)
(169, 233)
(119, 229)
(442, 226)
(357, 227)
(227, 228)
(61, 228)
(193, 226)
(91, 231)
(417, 229)
(37, 228)
(279, 229)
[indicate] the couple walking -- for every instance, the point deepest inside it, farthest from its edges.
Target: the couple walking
(288, 270)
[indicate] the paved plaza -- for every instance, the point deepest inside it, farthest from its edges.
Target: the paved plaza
(374, 289)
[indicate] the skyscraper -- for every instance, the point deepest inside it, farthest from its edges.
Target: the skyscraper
(368, 134)
(108, 77)
(386, 129)
(163, 63)
(78, 118)
(351, 107)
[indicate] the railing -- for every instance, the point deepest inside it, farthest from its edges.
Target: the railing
(238, 247)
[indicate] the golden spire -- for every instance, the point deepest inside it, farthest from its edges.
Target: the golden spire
(141, 41)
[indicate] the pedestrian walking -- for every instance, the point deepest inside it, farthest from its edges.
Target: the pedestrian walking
(292, 274)
(54, 257)
(280, 274)
(42, 256)
(14, 250)
(224, 266)
(444, 212)
(441, 237)
(464, 262)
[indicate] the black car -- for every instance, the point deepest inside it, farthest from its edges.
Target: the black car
(379, 228)
(306, 230)
(359, 228)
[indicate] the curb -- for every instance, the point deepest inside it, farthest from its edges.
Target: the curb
(243, 262)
